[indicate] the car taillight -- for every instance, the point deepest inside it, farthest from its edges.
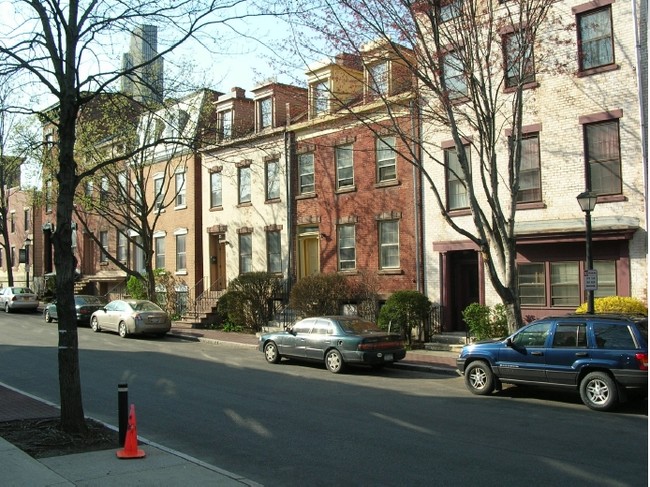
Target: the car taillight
(364, 346)
(643, 360)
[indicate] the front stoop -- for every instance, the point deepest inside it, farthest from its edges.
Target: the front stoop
(447, 341)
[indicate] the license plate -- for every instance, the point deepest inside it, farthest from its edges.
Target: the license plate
(388, 356)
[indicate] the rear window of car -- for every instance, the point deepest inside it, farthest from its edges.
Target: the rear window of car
(613, 336)
(643, 329)
(90, 300)
(358, 326)
(145, 306)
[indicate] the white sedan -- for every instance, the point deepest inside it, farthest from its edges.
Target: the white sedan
(131, 316)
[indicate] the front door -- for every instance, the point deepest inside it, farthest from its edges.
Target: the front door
(217, 262)
(463, 285)
(308, 251)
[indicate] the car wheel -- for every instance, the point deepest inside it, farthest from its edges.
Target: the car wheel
(121, 329)
(7, 309)
(599, 392)
(334, 361)
(94, 325)
(479, 378)
(48, 318)
(271, 353)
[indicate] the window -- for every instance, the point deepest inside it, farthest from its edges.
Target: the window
(27, 224)
(123, 189)
(88, 188)
(519, 59)
(530, 179)
(225, 124)
(266, 113)
(565, 284)
(245, 253)
(272, 180)
(179, 179)
(12, 222)
(306, 173)
(603, 155)
(615, 337)
(273, 252)
(103, 189)
(450, 9)
(48, 196)
(121, 247)
(389, 244)
(159, 249)
(533, 336)
(378, 78)
(454, 76)
(595, 38)
(158, 192)
(215, 190)
(347, 247)
(386, 166)
(532, 284)
(606, 270)
(570, 335)
(320, 98)
(244, 182)
(103, 243)
(344, 167)
(457, 197)
(181, 252)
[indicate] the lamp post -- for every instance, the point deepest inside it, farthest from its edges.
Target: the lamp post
(587, 201)
(28, 242)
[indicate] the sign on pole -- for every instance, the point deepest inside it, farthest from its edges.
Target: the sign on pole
(591, 280)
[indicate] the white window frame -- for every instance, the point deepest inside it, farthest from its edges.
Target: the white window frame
(347, 247)
(344, 156)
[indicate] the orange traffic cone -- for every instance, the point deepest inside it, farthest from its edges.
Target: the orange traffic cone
(131, 449)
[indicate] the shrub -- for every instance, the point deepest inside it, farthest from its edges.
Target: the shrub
(320, 294)
(403, 311)
(136, 288)
(485, 322)
(247, 302)
(616, 304)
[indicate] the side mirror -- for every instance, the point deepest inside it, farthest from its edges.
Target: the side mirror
(291, 332)
(509, 342)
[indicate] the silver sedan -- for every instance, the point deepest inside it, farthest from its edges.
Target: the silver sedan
(131, 316)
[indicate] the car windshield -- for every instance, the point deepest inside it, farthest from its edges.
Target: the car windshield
(352, 325)
(145, 306)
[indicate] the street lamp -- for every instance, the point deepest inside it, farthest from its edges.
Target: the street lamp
(587, 201)
(28, 242)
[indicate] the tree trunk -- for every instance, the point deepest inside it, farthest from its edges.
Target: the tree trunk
(72, 413)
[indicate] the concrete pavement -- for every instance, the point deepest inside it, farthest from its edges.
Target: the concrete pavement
(161, 465)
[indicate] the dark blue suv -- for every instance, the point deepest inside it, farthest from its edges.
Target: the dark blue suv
(602, 356)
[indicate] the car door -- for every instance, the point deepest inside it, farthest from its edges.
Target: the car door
(112, 316)
(294, 343)
(319, 339)
(523, 358)
(567, 350)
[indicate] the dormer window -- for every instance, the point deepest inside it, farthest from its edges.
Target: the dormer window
(378, 78)
(320, 98)
(265, 107)
(225, 124)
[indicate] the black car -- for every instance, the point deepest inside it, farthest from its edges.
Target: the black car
(602, 356)
(85, 306)
(336, 341)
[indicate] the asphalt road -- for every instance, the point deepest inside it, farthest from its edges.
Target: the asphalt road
(297, 425)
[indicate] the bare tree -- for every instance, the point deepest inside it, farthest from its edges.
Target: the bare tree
(58, 48)
(473, 62)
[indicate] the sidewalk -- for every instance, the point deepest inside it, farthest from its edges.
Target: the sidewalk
(161, 465)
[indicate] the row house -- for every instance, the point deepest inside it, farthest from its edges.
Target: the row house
(146, 207)
(245, 184)
(299, 183)
(581, 131)
(16, 252)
